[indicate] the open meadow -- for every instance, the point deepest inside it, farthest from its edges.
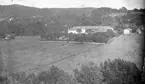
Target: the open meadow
(29, 54)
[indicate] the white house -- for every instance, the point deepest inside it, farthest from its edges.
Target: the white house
(127, 31)
(72, 31)
(84, 29)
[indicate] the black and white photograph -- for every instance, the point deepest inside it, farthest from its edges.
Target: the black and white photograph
(72, 42)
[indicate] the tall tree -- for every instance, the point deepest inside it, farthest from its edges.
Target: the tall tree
(123, 9)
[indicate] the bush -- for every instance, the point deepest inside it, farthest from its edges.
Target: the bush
(55, 76)
(119, 31)
(100, 37)
(19, 77)
(110, 72)
(120, 72)
(52, 76)
(80, 38)
(4, 80)
(88, 75)
(110, 33)
(2, 35)
(30, 79)
(46, 36)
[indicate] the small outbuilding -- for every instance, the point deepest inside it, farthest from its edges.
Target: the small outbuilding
(140, 30)
(127, 31)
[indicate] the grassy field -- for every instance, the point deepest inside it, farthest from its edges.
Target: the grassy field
(31, 55)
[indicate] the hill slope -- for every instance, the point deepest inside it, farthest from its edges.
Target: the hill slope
(25, 20)
(128, 47)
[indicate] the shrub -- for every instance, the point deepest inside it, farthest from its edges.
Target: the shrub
(45, 36)
(19, 77)
(88, 75)
(120, 72)
(100, 37)
(119, 31)
(80, 38)
(4, 80)
(2, 35)
(110, 33)
(143, 74)
(54, 76)
(30, 79)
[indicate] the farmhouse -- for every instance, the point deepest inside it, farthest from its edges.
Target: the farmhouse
(89, 29)
(127, 31)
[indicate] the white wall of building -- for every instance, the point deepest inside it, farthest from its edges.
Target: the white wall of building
(72, 31)
(83, 30)
(75, 31)
(127, 31)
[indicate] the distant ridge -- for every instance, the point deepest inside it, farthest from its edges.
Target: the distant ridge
(21, 10)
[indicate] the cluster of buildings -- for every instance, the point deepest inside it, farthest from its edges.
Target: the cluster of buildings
(89, 29)
(94, 29)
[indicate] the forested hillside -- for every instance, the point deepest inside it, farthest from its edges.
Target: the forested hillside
(23, 20)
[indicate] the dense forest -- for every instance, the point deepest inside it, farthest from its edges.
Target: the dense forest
(28, 21)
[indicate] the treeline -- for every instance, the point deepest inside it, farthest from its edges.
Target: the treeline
(55, 22)
(21, 28)
(98, 37)
(109, 72)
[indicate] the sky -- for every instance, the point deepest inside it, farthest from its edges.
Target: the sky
(129, 4)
